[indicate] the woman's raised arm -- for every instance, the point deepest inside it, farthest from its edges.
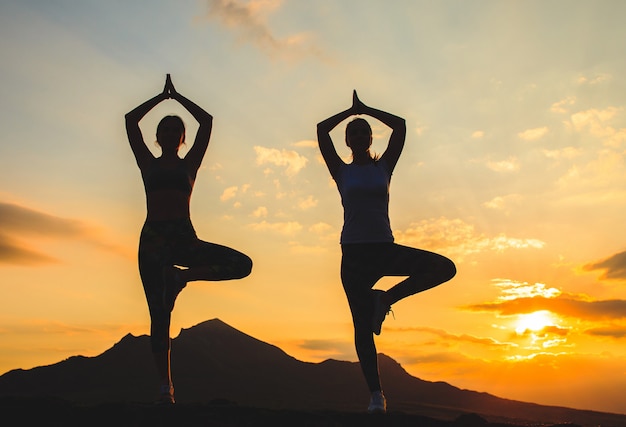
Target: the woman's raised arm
(325, 142)
(205, 120)
(142, 155)
(398, 131)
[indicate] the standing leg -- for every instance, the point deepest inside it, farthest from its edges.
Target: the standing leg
(151, 260)
(357, 283)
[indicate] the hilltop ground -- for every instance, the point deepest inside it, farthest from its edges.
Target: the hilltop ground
(56, 412)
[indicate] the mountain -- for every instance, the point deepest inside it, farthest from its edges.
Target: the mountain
(213, 360)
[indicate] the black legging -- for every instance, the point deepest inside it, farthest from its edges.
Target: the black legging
(168, 243)
(362, 265)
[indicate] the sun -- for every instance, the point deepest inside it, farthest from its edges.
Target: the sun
(534, 321)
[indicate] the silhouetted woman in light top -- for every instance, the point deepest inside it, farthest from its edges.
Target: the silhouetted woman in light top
(367, 244)
(170, 253)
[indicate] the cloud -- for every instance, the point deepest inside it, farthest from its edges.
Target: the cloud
(307, 203)
(320, 228)
(597, 79)
(501, 203)
(14, 252)
(614, 267)
(456, 237)
(564, 305)
(598, 181)
(247, 21)
(308, 143)
(596, 123)
(299, 248)
(259, 212)
(509, 165)
(478, 134)
(444, 336)
(593, 120)
(610, 332)
(287, 228)
(20, 223)
(326, 344)
(544, 332)
(559, 107)
(512, 290)
(25, 220)
(533, 134)
(324, 231)
(563, 153)
(293, 161)
(229, 193)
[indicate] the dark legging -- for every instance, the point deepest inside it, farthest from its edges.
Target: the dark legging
(174, 243)
(362, 265)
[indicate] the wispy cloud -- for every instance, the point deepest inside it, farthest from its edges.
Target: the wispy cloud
(320, 228)
(600, 178)
(448, 337)
(287, 228)
(509, 165)
(563, 153)
(293, 161)
(456, 237)
(229, 193)
(561, 106)
(308, 143)
(307, 203)
(533, 134)
(326, 344)
(511, 290)
(504, 203)
(614, 267)
(610, 332)
(564, 305)
(259, 212)
(25, 220)
(594, 80)
(598, 123)
(21, 224)
(248, 22)
(13, 251)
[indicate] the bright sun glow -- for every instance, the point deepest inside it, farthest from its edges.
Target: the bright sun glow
(534, 321)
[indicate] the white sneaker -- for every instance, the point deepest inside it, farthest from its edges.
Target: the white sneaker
(378, 403)
(166, 395)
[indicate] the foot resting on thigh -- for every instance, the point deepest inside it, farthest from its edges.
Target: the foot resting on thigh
(381, 309)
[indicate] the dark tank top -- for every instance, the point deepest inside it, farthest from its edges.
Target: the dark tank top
(176, 178)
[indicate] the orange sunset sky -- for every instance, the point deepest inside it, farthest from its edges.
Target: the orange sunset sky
(514, 167)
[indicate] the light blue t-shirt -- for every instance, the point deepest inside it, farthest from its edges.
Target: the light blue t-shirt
(364, 191)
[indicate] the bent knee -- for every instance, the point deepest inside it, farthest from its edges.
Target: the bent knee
(244, 267)
(448, 269)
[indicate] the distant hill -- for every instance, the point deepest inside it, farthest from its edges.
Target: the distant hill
(213, 360)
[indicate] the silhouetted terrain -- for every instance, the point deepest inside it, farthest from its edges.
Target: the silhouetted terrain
(223, 373)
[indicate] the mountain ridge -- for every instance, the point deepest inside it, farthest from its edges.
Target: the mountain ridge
(213, 360)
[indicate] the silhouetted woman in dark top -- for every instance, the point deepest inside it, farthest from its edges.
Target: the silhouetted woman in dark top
(170, 253)
(367, 244)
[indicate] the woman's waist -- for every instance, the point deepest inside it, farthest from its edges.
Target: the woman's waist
(164, 205)
(168, 229)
